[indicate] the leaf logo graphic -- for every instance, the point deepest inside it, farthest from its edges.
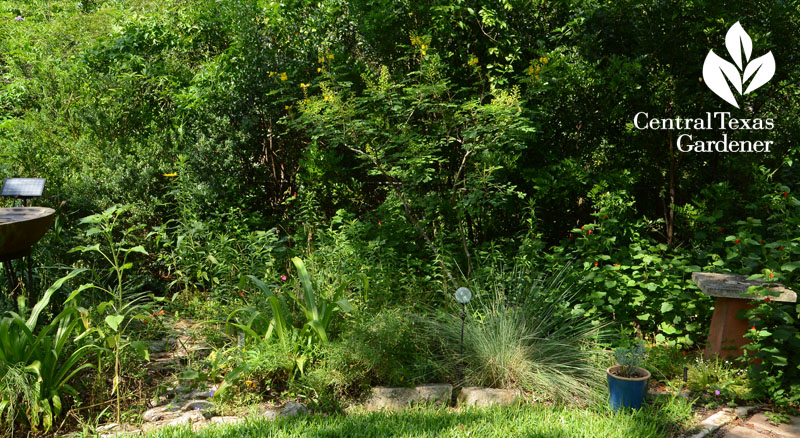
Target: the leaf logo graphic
(720, 74)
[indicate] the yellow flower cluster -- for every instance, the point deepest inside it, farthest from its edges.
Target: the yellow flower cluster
(171, 175)
(535, 70)
(283, 75)
(302, 85)
(473, 61)
(417, 41)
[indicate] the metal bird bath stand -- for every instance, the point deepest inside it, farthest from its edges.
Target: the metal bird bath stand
(22, 227)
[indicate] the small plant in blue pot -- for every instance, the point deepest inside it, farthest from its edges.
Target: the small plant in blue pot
(627, 381)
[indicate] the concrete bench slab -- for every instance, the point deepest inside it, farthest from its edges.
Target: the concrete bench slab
(726, 335)
(734, 286)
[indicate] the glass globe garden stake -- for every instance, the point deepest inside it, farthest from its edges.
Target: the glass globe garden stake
(463, 295)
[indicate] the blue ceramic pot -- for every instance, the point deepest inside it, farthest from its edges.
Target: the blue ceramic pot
(627, 392)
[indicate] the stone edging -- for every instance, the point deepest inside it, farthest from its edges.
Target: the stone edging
(719, 419)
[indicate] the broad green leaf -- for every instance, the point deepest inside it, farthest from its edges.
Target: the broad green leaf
(345, 305)
(45, 300)
(142, 349)
(138, 248)
(114, 321)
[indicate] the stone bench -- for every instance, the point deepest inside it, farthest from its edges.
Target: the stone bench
(726, 335)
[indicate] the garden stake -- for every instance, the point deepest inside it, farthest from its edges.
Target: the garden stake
(463, 295)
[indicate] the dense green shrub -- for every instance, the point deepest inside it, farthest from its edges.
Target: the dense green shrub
(386, 348)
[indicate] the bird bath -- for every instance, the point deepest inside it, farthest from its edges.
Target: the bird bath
(20, 228)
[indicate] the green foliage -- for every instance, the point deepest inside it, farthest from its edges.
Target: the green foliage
(630, 358)
(774, 347)
(640, 283)
(523, 335)
(299, 344)
(38, 360)
(446, 155)
(392, 143)
(387, 348)
(665, 362)
(210, 252)
(718, 381)
(124, 305)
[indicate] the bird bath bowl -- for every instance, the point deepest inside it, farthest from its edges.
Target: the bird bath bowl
(20, 228)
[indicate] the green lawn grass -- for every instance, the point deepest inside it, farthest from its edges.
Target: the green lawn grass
(665, 419)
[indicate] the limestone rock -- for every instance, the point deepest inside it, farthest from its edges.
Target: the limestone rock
(201, 395)
(205, 407)
(390, 399)
(394, 398)
(270, 414)
(110, 427)
(192, 418)
(744, 411)
(785, 430)
(159, 413)
(437, 394)
(481, 397)
(292, 409)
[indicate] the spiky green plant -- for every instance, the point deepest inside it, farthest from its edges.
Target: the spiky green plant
(298, 342)
(521, 335)
(38, 360)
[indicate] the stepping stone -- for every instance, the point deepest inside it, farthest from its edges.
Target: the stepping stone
(744, 411)
(784, 430)
(712, 423)
(193, 418)
(744, 432)
(205, 407)
(159, 413)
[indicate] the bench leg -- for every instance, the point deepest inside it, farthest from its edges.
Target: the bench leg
(726, 336)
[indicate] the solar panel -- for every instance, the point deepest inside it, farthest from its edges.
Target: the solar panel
(23, 187)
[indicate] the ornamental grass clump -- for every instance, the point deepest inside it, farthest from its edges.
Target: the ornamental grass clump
(522, 335)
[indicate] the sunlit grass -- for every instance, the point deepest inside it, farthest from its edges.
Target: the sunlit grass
(665, 419)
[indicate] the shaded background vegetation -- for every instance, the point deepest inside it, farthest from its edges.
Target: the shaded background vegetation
(403, 146)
